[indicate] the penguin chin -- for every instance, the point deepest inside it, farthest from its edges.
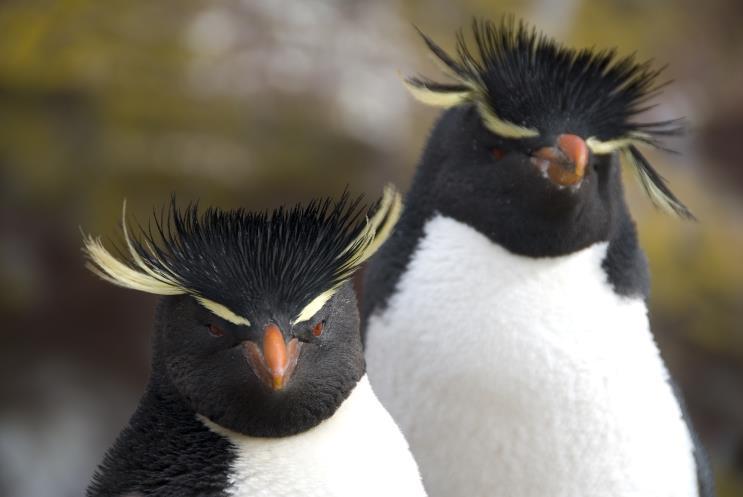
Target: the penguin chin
(284, 414)
(242, 403)
(555, 202)
(560, 179)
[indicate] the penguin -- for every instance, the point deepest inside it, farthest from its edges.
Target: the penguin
(505, 319)
(258, 384)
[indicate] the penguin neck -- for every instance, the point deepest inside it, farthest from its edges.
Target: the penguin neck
(167, 412)
(161, 396)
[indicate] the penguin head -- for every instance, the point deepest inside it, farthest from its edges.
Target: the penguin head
(533, 136)
(258, 329)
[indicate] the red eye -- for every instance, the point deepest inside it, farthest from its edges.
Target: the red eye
(317, 329)
(498, 153)
(216, 330)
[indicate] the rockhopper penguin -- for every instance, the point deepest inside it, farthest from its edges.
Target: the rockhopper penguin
(505, 320)
(258, 384)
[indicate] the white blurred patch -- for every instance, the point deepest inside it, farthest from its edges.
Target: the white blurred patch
(213, 32)
(346, 55)
(50, 446)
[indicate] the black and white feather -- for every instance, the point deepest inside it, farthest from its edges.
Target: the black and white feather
(527, 85)
(231, 261)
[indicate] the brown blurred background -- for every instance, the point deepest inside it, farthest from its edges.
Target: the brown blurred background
(258, 103)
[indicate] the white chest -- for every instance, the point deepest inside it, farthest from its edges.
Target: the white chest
(520, 377)
(359, 451)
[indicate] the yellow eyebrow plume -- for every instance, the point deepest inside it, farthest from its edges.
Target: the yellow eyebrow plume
(137, 274)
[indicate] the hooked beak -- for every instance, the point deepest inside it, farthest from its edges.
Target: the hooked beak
(275, 364)
(565, 163)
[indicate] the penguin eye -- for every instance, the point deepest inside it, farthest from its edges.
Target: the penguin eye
(498, 153)
(307, 334)
(318, 328)
(215, 330)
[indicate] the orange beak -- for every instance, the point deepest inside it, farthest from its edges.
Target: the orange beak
(276, 363)
(565, 164)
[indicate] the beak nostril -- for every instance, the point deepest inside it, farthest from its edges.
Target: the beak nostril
(576, 150)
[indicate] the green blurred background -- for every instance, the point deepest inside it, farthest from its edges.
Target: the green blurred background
(258, 103)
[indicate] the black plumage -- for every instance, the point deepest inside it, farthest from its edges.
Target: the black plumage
(164, 451)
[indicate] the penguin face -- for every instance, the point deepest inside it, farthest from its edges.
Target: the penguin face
(552, 173)
(272, 378)
(536, 196)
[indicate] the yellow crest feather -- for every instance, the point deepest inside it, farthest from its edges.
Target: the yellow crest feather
(374, 234)
(142, 277)
(501, 127)
(432, 97)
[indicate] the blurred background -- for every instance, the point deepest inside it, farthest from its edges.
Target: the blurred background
(258, 103)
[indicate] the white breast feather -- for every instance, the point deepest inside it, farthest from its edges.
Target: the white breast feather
(519, 377)
(359, 451)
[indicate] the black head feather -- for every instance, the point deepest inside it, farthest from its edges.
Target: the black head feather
(529, 79)
(240, 258)
(248, 262)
